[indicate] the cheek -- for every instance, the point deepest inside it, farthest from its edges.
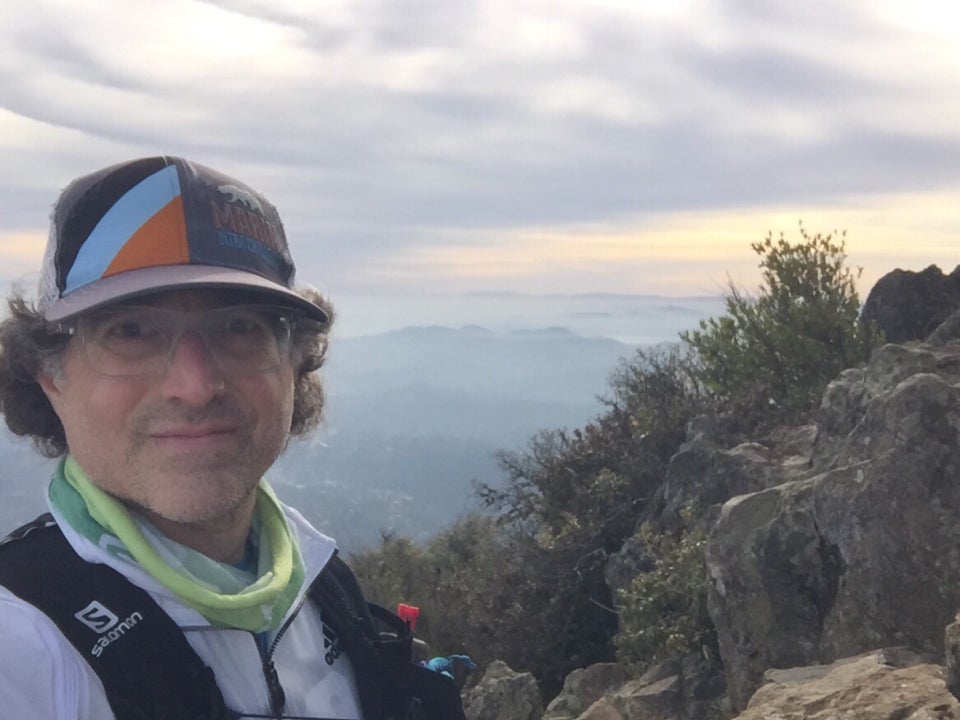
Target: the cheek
(90, 407)
(98, 417)
(274, 404)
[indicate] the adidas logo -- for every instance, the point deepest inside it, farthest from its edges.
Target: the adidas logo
(100, 619)
(331, 643)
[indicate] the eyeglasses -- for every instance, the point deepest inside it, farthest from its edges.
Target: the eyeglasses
(139, 340)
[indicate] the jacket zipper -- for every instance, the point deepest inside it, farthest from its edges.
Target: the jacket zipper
(278, 698)
(277, 695)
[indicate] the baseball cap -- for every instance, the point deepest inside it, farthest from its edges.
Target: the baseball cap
(162, 223)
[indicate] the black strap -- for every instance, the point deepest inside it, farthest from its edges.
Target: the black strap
(136, 649)
(379, 645)
(150, 672)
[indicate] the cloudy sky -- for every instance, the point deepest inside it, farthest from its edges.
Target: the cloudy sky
(536, 146)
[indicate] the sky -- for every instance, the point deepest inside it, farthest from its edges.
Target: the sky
(522, 146)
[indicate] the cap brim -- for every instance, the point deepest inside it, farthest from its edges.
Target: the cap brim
(133, 283)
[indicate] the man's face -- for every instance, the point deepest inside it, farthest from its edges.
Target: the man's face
(186, 446)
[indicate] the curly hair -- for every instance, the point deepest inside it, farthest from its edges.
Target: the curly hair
(30, 345)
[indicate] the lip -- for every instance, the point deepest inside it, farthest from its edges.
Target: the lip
(186, 439)
(193, 431)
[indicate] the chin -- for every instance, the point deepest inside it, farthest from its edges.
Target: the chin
(191, 508)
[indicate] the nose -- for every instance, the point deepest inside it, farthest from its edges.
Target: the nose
(193, 375)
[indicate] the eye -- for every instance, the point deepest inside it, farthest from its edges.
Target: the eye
(125, 333)
(128, 324)
(126, 330)
(245, 323)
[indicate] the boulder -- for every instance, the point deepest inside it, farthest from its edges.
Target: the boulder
(582, 688)
(890, 684)
(640, 700)
(703, 475)
(602, 709)
(503, 694)
(947, 331)
(687, 688)
(951, 671)
(845, 400)
(909, 305)
(865, 551)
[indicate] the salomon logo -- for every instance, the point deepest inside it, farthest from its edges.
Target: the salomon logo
(96, 617)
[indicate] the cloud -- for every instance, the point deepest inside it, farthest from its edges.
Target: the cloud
(383, 127)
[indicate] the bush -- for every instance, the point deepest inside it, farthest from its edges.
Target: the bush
(469, 581)
(663, 613)
(571, 499)
(770, 357)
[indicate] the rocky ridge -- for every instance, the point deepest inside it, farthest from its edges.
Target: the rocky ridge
(833, 559)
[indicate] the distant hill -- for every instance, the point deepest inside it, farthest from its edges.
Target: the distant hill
(416, 415)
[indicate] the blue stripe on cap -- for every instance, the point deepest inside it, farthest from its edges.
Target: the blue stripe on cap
(120, 222)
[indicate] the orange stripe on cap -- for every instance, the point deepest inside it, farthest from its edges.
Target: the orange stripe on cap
(161, 240)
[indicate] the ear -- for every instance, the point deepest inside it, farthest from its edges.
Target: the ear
(51, 386)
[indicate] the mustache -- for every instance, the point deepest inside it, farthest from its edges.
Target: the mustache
(218, 411)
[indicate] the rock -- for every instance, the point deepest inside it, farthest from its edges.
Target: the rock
(864, 552)
(638, 700)
(503, 694)
(846, 398)
(702, 473)
(703, 686)
(602, 709)
(582, 688)
(792, 445)
(687, 688)
(951, 669)
(717, 428)
(909, 305)
(947, 331)
(889, 684)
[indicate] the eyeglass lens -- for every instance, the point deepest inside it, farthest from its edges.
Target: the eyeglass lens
(140, 340)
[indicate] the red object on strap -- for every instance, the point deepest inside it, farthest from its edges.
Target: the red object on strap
(410, 613)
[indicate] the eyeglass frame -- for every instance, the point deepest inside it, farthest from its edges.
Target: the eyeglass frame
(289, 315)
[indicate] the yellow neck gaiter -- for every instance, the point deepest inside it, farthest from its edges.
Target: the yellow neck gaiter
(208, 586)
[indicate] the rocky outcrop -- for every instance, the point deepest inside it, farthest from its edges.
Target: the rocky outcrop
(909, 305)
(680, 689)
(584, 687)
(828, 541)
(946, 331)
(503, 694)
(703, 474)
(862, 553)
(951, 671)
(889, 684)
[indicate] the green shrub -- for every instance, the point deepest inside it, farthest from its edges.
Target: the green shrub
(771, 356)
(663, 613)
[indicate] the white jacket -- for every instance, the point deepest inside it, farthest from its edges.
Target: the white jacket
(43, 677)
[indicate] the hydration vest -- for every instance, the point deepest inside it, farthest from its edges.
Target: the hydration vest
(154, 674)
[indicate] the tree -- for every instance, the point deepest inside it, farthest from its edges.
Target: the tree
(571, 499)
(771, 356)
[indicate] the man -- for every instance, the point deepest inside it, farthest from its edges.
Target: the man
(167, 361)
